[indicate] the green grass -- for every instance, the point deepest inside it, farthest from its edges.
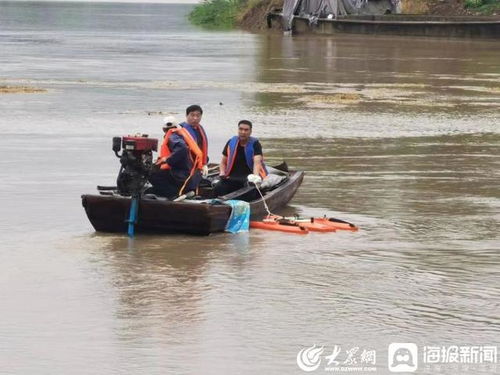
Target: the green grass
(217, 14)
(473, 3)
(483, 6)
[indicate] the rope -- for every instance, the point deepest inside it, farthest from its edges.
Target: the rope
(191, 174)
(264, 201)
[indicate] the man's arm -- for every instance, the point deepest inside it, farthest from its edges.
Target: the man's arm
(257, 159)
(222, 166)
(223, 162)
(179, 151)
(257, 164)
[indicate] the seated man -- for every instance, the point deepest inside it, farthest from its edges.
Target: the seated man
(241, 161)
(179, 160)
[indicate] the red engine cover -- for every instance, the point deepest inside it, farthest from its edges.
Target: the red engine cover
(139, 143)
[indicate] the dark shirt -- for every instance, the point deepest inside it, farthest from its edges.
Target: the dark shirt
(178, 160)
(199, 137)
(240, 167)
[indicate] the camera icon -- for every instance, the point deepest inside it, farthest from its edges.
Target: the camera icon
(402, 357)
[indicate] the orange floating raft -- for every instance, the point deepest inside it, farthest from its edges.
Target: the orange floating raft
(302, 225)
(270, 223)
(336, 223)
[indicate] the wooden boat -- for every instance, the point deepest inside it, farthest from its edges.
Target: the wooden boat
(394, 24)
(109, 213)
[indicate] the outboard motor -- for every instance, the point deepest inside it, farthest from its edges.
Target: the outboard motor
(136, 162)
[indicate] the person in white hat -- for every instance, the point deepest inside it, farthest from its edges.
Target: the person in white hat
(169, 122)
(179, 162)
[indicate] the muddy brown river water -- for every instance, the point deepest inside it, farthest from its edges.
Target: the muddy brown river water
(399, 135)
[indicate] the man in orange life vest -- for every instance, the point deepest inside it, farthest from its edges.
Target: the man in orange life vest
(183, 157)
(242, 161)
(194, 128)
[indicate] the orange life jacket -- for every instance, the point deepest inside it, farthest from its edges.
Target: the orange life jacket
(204, 142)
(195, 153)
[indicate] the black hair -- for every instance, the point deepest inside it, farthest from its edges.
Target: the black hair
(245, 122)
(193, 108)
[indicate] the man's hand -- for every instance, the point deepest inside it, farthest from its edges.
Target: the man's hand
(254, 179)
(204, 171)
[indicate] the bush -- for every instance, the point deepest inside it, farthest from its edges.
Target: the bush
(473, 3)
(219, 14)
(485, 7)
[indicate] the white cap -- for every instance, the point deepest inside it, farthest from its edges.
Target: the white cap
(170, 120)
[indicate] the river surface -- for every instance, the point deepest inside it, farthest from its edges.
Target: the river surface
(399, 135)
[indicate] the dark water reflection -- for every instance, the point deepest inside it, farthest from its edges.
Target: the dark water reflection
(378, 74)
(337, 58)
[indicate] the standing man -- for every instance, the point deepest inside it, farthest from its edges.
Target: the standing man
(242, 160)
(194, 128)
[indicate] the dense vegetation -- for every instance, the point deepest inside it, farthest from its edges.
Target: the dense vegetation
(219, 14)
(483, 6)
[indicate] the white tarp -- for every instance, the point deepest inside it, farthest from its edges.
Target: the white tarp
(335, 8)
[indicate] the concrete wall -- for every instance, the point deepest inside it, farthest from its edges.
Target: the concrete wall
(476, 29)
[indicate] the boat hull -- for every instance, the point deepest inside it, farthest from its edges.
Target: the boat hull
(109, 213)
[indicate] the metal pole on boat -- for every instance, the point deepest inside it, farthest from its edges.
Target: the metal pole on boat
(134, 205)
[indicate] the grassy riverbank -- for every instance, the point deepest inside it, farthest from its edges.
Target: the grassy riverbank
(225, 14)
(251, 14)
(453, 7)
(220, 14)
(486, 7)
